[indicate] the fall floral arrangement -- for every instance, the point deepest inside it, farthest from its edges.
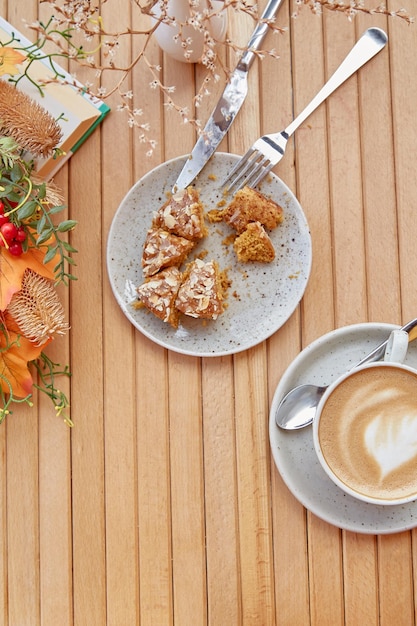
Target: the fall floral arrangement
(35, 255)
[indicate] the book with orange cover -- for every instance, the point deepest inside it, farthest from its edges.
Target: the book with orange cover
(77, 112)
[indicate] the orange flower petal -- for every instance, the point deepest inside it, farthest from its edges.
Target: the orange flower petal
(12, 269)
(15, 353)
(9, 58)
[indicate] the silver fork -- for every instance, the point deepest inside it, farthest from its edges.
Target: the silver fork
(268, 150)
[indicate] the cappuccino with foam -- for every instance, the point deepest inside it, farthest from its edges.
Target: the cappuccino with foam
(366, 433)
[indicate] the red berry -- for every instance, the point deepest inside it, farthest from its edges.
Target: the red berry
(16, 248)
(21, 233)
(3, 219)
(9, 231)
(1, 207)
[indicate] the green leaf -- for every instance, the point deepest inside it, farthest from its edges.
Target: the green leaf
(56, 209)
(41, 191)
(44, 236)
(15, 173)
(66, 225)
(41, 224)
(68, 247)
(27, 210)
(50, 254)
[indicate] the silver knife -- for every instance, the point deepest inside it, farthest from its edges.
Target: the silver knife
(229, 104)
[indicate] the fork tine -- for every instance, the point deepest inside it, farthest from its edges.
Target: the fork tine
(254, 170)
(257, 170)
(246, 168)
(243, 162)
(264, 172)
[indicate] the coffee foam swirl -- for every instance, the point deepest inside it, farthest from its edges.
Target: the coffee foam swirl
(368, 432)
(391, 436)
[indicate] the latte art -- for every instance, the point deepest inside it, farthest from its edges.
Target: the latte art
(368, 432)
(392, 442)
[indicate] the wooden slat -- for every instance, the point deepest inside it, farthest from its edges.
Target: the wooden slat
(154, 486)
(187, 489)
(87, 389)
(396, 593)
(345, 179)
(4, 582)
(378, 175)
(22, 491)
(120, 416)
(152, 460)
(312, 181)
(288, 516)
(251, 403)
(253, 486)
(220, 490)
(55, 513)
(403, 40)
(360, 560)
(22, 460)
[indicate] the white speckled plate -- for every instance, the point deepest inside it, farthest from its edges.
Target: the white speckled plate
(262, 296)
(321, 363)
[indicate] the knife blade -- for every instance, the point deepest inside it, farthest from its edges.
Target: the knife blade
(228, 105)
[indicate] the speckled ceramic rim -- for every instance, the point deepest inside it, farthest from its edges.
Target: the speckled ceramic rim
(317, 446)
(321, 362)
(262, 296)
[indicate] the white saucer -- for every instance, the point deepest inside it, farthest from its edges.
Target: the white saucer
(262, 296)
(320, 363)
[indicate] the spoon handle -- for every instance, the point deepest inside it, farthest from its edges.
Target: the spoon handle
(379, 351)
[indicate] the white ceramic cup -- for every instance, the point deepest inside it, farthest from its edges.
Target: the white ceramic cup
(365, 429)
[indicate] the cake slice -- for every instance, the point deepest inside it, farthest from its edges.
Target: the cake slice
(163, 249)
(182, 215)
(254, 244)
(158, 294)
(249, 205)
(201, 294)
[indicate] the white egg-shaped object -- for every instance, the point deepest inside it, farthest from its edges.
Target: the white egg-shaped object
(185, 42)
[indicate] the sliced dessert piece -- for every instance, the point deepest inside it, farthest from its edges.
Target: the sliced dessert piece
(183, 215)
(249, 205)
(158, 294)
(254, 244)
(201, 294)
(163, 249)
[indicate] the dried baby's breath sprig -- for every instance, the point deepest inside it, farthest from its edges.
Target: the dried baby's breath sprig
(37, 309)
(32, 127)
(83, 19)
(353, 8)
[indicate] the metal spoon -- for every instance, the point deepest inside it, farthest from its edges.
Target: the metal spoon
(298, 407)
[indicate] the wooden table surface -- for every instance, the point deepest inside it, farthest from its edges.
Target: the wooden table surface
(162, 505)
